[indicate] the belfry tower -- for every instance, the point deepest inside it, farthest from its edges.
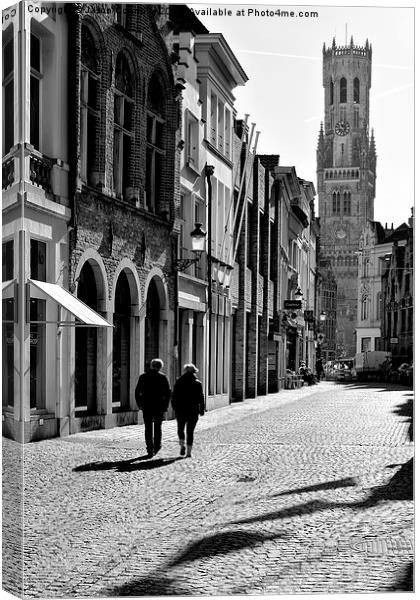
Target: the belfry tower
(346, 170)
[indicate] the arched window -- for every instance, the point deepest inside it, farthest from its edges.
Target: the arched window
(336, 203)
(364, 314)
(356, 90)
(343, 89)
(331, 91)
(346, 203)
(155, 142)
(89, 113)
(123, 125)
(356, 119)
(8, 94)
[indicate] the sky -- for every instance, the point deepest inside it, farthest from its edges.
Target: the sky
(284, 95)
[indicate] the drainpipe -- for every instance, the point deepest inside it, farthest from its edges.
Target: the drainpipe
(209, 171)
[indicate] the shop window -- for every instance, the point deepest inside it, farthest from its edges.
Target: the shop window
(37, 353)
(7, 260)
(35, 91)
(89, 117)
(38, 260)
(8, 350)
(155, 152)
(8, 95)
(123, 125)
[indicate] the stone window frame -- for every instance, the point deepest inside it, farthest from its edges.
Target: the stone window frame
(155, 144)
(89, 107)
(123, 128)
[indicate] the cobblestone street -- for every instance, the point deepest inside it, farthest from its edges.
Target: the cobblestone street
(298, 492)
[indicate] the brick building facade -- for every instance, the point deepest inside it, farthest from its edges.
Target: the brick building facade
(125, 166)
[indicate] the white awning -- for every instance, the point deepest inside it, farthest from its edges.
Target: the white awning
(76, 307)
(6, 284)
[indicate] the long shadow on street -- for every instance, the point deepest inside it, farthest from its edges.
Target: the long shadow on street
(124, 466)
(400, 487)
(214, 545)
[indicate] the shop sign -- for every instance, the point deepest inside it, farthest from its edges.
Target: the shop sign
(394, 340)
(292, 304)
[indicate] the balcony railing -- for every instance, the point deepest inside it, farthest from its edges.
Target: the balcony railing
(40, 167)
(8, 172)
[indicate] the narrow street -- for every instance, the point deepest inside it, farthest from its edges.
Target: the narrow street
(303, 491)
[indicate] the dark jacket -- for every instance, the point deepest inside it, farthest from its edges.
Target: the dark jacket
(153, 392)
(188, 397)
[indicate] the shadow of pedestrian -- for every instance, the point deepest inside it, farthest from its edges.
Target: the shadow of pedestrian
(154, 585)
(124, 466)
(222, 543)
(328, 485)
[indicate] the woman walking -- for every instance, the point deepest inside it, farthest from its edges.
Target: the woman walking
(188, 403)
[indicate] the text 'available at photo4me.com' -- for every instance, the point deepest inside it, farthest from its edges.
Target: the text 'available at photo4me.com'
(252, 11)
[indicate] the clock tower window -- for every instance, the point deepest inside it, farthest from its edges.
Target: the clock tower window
(336, 208)
(343, 90)
(331, 92)
(356, 117)
(356, 90)
(347, 203)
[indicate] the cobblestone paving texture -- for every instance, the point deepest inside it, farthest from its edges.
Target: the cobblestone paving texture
(298, 492)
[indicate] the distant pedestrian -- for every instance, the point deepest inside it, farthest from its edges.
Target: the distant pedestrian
(319, 369)
(152, 396)
(306, 373)
(188, 404)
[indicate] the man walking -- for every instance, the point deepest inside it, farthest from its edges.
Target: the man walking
(152, 396)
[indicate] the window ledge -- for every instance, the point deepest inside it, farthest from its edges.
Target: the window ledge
(218, 153)
(193, 167)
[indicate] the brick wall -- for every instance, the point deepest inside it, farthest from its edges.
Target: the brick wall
(124, 229)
